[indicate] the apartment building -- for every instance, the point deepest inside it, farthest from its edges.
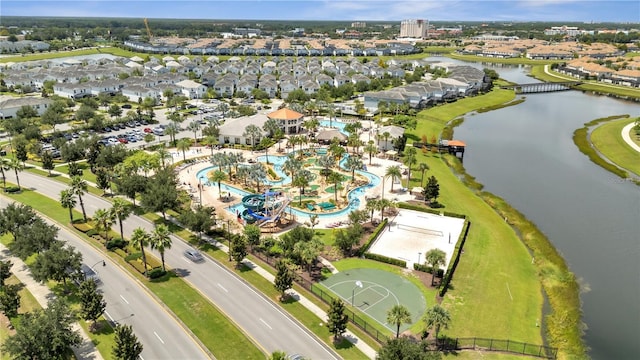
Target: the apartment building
(414, 28)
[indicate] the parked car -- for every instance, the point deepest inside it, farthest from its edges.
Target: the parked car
(123, 140)
(147, 130)
(107, 129)
(126, 106)
(158, 131)
(193, 255)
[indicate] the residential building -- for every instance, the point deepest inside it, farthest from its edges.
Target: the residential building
(9, 105)
(414, 28)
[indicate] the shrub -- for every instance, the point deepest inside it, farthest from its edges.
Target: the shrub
(372, 238)
(12, 189)
(116, 243)
(91, 232)
(132, 257)
(427, 269)
(82, 226)
(121, 252)
(386, 259)
(137, 264)
(156, 273)
(455, 258)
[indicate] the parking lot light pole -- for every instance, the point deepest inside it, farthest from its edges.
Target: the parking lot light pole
(229, 238)
(200, 187)
(419, 257)
(101, 261)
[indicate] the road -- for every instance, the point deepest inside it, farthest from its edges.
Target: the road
(128, 303)
(258, 316)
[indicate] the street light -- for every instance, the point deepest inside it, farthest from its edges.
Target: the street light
(353, 292)
(229, 239)
(101, 261)
(419, 257)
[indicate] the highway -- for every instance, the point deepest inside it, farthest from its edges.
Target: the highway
(128, 303)
(265, 322)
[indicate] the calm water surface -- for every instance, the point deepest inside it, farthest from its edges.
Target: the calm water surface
(526, 155)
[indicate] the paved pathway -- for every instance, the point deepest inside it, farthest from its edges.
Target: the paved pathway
(627, 138)
(86, 350)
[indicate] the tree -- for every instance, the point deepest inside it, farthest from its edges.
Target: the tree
(219, 176)
(404, 348)
(92, 304)
(352, 164)
(161, 193)
(422, 167)
(4, 165)
(371, 148)
(10, 300)
(308, 251)
(131, 184)
(104, 219)
(161, 241)
(302, 179)
(437, 318)
(372, 205)
(47, 162)
(120, 210)
(409, 160)
(44, 334)
(335, 178)
(141, 238)
(16, 166)
(56, 263)
(195, 127)
(435, 258)
(432, 190)
(253, 132)
(199, 220)
(79, 188)
(394, 173)
(5, 271)
(239, 249)
(68, 201)
(284, 279)
(337, 320)
(271, 126)
(183, 145)
(127, 346)
(397, 316)
(257, 174)
(252, 233)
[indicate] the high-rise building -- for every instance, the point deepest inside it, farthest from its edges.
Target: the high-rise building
(414, 28)
(359, 24)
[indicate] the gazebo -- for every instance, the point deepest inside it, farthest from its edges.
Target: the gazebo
(391, 154)
(326, 136)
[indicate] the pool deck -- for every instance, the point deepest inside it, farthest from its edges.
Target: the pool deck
(211, 197)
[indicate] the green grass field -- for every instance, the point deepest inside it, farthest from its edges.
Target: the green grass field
(496, 292)
(608, 140)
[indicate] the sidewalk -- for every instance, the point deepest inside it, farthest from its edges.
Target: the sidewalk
(86, 350)
(627, 138)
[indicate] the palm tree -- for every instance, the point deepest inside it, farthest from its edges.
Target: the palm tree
(195, 127)
(17, 166)
(422, 167)
(437, 318)
(243, 174)
(172, 131)
(218, 176)
(326, 162)
(371, 148)
(163, 154)
(386, 136)
(271, 126)
(303, 178)
(291, 166)
(68, 201)
(335, 178)
(394, 173)
(78, 188)
(257, 174)
(410, 159)
(104, 220)
(397, 316)
(383, 204)
(220, 160)
(141, 238)
(4, 165)
(352, 164)
(120, 211)
(183, 145)
(234, 159)
(372, 205)
(435, 258)
(161, 241)
(253, 132)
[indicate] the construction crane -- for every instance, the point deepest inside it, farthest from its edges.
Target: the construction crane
(146, 25)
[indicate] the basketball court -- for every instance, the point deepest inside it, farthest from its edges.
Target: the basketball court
(374, 292)
(411, 234)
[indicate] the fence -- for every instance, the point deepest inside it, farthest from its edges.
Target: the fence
(510, 346)
(327, 297)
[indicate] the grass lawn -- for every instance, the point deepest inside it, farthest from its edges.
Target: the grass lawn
(608, 140)
(495, 291)
(27, 304)
(224, 340)
(86, 171)
(590, 85)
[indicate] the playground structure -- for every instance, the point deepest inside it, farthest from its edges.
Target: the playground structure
(261, 209)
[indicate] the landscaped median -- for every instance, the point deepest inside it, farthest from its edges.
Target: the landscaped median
(213, 328)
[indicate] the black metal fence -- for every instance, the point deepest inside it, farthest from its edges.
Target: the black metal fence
(446, 344)
(499, 345)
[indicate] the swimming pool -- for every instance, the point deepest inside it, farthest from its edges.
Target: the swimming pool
(353, 196)
(334, 124)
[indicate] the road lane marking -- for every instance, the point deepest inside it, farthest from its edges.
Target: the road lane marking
(222, 287)
(265, 324)
(109, 316)
(125, 300)
(158, 336)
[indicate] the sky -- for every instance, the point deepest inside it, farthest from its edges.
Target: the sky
(346, 10)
